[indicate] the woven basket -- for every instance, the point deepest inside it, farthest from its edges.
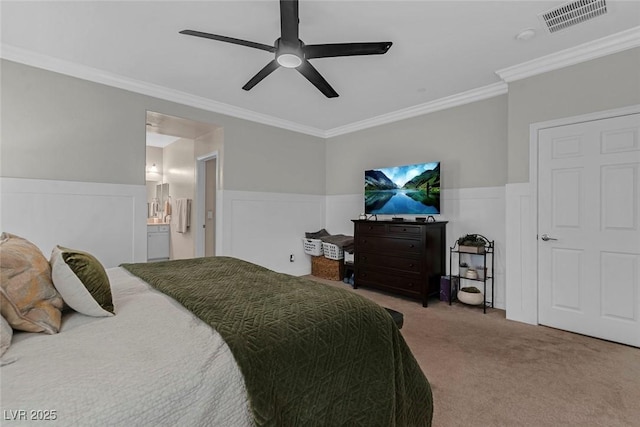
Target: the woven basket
(326, 268)
(470, 297)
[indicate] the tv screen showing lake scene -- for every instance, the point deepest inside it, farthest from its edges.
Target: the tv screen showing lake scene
(409, 190)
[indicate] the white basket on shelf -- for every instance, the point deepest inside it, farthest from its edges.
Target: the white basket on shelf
(332, 251)
(348, 257)
(312, 246)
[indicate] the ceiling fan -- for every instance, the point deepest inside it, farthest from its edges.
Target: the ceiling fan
(291, 52)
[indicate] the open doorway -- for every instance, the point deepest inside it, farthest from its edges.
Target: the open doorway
(176, 165)
(207, 173)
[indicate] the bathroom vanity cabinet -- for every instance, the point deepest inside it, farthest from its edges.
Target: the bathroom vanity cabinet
(158, 242)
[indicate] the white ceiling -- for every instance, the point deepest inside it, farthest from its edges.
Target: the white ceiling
(159, 140)
(440, 49)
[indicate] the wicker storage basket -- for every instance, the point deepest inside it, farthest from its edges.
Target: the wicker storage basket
(327, 268)
(312, 247)
(332, 251)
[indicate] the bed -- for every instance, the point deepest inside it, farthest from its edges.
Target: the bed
(217, 342)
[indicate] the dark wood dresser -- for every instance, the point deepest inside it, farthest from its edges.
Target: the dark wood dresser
(402, 257)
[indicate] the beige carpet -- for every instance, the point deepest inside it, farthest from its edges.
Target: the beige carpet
(489, 371)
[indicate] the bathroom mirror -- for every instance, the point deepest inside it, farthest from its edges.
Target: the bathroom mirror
(157, 195)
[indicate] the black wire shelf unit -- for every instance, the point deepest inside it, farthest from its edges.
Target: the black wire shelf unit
(486, 252)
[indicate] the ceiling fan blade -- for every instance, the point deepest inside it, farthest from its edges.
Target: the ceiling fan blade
(268, 69)
(307, 70)
(345, 49)
(289, 21)
(229, 40)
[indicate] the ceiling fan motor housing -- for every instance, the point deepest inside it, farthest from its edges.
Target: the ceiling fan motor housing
(289, 55)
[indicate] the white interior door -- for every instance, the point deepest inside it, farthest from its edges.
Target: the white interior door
(588, 228)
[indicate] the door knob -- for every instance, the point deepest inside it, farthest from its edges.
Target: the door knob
(546, 237)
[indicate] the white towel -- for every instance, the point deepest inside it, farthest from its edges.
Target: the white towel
(181, 218)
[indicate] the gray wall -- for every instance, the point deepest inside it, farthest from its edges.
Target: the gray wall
(469, 140)
(273, 159)
(63, 128)
(57, 127)
(602, 84)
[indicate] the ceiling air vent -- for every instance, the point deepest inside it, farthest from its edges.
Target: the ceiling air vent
(570, 14)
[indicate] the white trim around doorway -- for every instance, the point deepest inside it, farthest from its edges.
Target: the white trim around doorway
(526, 309)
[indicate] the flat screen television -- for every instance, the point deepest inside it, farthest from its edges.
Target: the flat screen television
(403, 190)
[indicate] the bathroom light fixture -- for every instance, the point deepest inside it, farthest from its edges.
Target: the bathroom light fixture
(153, 168)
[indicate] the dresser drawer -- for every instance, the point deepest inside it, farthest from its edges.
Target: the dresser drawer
(406, 264)
(411, 286)
(371, 228)
(388, 245)
(411, 230)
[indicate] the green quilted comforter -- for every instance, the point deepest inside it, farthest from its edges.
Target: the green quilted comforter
(311, 354)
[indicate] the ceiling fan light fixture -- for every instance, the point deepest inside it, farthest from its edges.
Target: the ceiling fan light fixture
(289, 60)
(291, 52)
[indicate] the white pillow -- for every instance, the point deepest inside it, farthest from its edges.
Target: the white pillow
(6, 333)
(82, 281)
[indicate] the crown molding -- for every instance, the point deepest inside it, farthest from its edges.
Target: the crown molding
(49, 63)
(467, 97)
(95, 75)
(614, 43)
(618, 42)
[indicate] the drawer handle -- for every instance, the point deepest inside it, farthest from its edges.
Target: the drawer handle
(411, 245)
(404, 229)
(411, 265)
(410, 285)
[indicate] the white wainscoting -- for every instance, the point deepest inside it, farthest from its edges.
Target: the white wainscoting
(109, 221)
(106, 220)
(522, 291)
(467, 210)
(266, 228)
(340, 210)
(481, 211)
